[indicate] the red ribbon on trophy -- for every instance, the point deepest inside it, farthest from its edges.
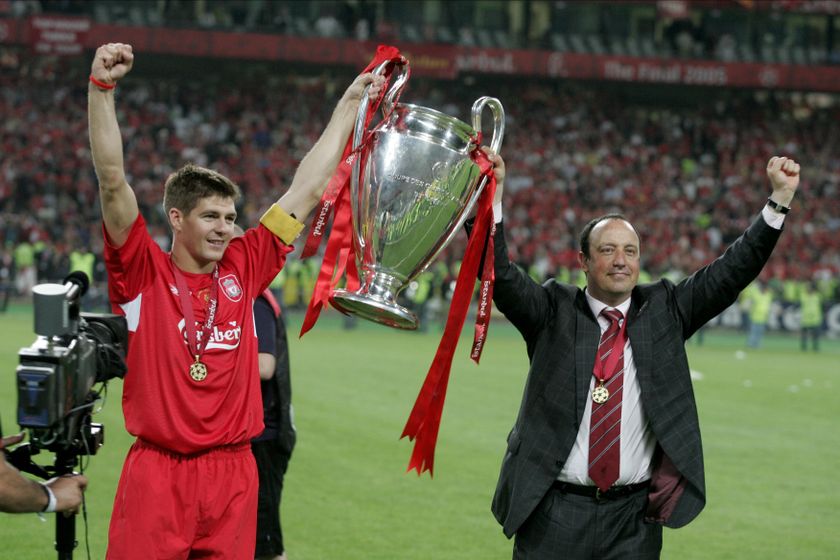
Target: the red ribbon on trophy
(424, 421)
(338, 257)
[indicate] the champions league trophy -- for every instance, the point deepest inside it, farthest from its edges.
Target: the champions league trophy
(416, 189)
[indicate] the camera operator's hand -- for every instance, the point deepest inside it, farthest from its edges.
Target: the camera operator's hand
(68, 491)
(11, 440)
(19, 494)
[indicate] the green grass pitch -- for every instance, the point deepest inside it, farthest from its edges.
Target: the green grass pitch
(770, 420)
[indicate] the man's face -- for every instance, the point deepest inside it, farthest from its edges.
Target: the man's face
(206, 231)
(612, 268)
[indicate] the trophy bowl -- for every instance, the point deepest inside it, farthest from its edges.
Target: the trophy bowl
(412, 188)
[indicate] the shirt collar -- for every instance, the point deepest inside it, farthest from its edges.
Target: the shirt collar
(597, 306)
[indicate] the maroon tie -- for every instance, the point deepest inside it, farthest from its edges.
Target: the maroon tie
(605, 426)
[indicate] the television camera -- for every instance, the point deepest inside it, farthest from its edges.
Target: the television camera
(56, 377)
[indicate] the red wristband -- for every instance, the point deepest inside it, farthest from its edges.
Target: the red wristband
(101, 85)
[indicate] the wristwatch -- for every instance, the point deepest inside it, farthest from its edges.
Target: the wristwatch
(777, 207)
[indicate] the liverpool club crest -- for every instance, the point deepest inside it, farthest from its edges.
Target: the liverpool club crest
(230, 286)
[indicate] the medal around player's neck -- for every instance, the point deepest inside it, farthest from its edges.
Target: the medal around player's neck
(196, 343)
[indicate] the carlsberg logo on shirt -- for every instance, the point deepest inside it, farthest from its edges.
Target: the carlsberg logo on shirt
(225, 336)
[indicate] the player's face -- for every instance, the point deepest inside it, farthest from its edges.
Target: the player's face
(206, 231)
(612, 268)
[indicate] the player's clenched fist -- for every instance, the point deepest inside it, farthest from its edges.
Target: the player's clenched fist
(111, 62)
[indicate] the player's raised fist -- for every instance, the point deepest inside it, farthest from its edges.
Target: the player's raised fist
(111, 62)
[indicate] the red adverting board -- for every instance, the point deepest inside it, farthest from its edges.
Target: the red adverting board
(436, 61)
(58, 35)
(254, 46)
(141, 38)
(63, 35)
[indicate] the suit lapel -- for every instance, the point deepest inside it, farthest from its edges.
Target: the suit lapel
(587, 336)
(638, 331)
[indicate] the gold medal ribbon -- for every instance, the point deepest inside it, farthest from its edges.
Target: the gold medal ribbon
(197, 344)
(608, 365)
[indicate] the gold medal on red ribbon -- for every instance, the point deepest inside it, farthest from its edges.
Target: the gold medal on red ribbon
(198, 371)
(606, 364)
(600, 394)
(195, 340)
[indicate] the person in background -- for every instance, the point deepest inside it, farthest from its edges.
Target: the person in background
(7, 277)
(811, 308)
(760, 302)
(272, 449)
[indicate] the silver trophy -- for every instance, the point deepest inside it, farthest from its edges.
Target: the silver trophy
(417, 188)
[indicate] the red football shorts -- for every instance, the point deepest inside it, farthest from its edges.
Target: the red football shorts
(171, 506)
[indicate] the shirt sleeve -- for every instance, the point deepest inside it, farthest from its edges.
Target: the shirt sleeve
(259, 254)
(497, 212)
(266, 325)
(131, 266)
(773, 219)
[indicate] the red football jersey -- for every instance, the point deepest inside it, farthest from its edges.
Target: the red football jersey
(162, 404)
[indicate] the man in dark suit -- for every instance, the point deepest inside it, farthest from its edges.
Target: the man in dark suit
(606, 446)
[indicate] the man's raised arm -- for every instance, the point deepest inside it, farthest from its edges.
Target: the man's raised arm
(316, 169)
(119, 205)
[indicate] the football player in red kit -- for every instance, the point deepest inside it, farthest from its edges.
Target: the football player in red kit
(192, 392)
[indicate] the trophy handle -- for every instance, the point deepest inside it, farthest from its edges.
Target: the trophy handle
(359, 136)
(396, 87)
(387, 103)
(498, 119)
(496, 143)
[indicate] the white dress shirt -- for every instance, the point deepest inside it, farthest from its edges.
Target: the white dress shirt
(637, 440)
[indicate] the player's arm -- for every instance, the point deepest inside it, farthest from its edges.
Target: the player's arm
(267, 364)
(119, 205)
(265, 324)
(316, 169)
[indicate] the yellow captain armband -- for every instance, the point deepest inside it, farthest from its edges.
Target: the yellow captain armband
(281, 224)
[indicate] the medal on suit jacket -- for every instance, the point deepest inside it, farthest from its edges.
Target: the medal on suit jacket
(600, 393)
(197, 370)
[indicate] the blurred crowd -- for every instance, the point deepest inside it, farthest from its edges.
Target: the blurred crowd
(690, 176)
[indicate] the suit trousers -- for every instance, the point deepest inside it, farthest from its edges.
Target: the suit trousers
(571, 527)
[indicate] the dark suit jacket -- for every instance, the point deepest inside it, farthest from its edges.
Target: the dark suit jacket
(562, 337)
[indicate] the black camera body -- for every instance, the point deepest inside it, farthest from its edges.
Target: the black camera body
(57, 373)
(56, 376)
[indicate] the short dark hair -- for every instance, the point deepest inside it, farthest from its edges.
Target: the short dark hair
(185, 187)
(587, 230)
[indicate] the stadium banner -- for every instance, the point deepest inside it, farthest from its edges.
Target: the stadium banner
(58, 35)
(9, 32)
(436, 61)
(433, 60)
